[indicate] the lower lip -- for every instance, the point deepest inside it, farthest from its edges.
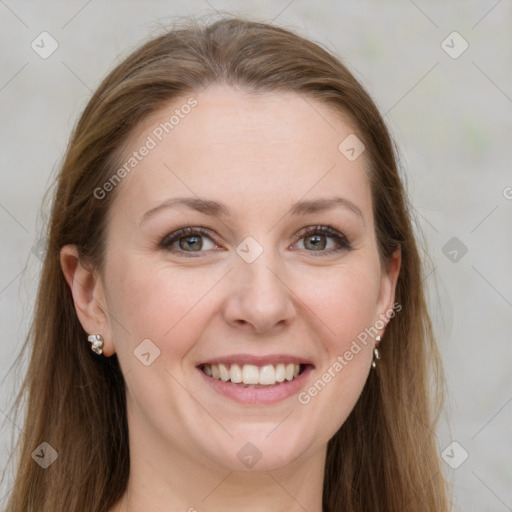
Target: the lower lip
(251, 396)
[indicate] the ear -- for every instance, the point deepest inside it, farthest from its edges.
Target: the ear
(88, 294)
(387, 289)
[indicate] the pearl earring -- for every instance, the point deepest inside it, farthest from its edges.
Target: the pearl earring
(97, 343)
(376, 354)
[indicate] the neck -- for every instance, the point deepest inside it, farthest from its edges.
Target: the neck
(166, 478)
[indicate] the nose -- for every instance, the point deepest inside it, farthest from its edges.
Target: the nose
(258, 299)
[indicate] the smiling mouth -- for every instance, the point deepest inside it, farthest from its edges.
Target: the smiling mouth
(253, 376)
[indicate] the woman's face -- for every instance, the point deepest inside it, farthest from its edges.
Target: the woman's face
(277, 266)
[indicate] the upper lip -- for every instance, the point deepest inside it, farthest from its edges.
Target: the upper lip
(241, 359)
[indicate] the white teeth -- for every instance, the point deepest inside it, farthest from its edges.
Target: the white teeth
(224, 374)
(289, 371)
(280, 373)
(267, 375)
(251, 374)
(235, 374)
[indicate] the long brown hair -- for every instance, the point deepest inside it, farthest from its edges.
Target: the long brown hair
(384, 457)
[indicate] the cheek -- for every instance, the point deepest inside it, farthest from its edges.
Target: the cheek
(345, 302)
(346, 308)
(158, 303)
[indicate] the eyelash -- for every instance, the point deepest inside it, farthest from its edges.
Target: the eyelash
(341, 240)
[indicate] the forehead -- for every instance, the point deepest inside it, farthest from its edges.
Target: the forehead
(241, 148)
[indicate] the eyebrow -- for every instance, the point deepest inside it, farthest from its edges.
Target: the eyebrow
(216, 209)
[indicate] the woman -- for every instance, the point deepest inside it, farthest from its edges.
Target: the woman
(231, 312)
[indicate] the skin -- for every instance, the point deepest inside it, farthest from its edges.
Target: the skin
(258, 155)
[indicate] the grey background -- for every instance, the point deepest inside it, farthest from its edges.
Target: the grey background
(451, 117)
